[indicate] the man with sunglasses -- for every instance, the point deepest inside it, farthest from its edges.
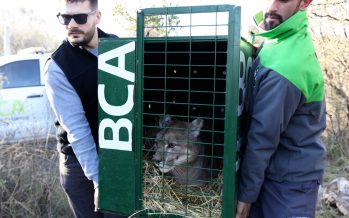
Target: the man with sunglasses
(71, 85)
(284, 158)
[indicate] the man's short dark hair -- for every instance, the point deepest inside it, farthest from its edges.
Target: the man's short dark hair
(93, 3)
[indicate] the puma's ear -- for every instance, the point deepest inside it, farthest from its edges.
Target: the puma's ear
(164, 121)
(195, 127)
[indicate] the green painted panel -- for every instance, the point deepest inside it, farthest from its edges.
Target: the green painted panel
(116, 78)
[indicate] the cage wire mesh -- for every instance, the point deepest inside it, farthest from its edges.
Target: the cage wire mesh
(184, 75)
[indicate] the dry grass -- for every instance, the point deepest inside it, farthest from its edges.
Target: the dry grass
(337, 144)
(29, 181)
(164, 196)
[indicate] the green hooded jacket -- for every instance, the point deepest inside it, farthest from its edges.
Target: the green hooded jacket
(292, 43)
(285, 107)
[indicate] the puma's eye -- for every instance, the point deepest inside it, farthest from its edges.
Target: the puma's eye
(171, 145)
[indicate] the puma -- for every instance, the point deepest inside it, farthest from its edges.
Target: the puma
(179, 151)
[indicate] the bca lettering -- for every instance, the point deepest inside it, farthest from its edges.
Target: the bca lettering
(116, 110)
(11, 108)
(245, 69)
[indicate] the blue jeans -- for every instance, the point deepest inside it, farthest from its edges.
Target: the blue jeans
(79, 189)
(286, 200)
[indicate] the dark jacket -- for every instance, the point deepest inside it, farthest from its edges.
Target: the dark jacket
(81, 69)
(286, 111)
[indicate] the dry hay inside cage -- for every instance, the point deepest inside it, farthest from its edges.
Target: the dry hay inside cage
(163, 196)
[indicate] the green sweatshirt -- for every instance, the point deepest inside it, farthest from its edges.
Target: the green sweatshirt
(291, 42)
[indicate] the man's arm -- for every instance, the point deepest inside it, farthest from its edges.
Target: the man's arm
(275, 102)
(69, 111)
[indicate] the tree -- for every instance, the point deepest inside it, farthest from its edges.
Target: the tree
(329, 22)
(26, 30)
(154, 25)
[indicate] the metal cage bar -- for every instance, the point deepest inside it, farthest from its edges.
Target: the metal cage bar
(167, 47)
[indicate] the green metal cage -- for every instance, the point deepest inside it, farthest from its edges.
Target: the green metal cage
(188, 63)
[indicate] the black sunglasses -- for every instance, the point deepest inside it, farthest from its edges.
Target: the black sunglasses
(79, 18)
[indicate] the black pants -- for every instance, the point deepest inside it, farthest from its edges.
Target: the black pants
(286, 200)
(78, 188)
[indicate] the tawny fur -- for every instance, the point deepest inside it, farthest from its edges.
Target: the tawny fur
(179, 151)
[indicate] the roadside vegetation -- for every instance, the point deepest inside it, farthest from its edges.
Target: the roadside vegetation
(29, 181)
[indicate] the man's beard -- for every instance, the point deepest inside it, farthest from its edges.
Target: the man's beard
(86, 38)
(271, 24)
(78, 43)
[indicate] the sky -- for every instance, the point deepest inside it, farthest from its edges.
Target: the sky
(247, 8)
(49, 8)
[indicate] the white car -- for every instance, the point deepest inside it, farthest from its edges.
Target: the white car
(25, 113)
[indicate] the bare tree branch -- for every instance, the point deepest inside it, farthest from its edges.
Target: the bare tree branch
(329, 16)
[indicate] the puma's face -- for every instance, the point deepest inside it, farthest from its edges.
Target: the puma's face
(176, 144)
